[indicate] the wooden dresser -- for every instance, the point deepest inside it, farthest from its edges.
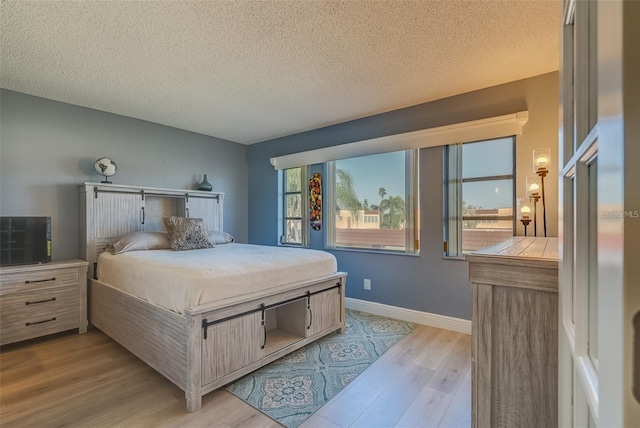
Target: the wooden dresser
(36, 300)
(515, 333)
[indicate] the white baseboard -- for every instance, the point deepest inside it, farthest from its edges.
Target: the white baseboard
(426, 318)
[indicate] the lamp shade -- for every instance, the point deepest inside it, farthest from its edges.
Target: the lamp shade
(533, 186)
(524, 209)
(541, 159)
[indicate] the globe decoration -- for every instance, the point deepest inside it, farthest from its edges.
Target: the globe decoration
(105, 167)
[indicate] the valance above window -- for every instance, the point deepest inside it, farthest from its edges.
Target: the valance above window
(475, 130)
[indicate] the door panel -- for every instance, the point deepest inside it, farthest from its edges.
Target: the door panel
(599, 230)
(231, 345)
(129, 214)
(324, 311)
(207, 209)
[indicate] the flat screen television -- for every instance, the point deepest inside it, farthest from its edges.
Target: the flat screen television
(25, 240)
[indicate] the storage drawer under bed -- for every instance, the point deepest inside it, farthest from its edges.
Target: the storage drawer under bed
(240, 340)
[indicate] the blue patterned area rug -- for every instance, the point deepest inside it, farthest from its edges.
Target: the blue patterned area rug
(292, 388)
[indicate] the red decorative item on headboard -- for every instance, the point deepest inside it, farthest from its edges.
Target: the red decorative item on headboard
(315, 201)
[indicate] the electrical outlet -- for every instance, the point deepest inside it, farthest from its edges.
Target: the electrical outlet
(367, 284)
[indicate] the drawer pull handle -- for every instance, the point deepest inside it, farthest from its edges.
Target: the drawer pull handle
(40, 322)
(39, 280)
(53, 299)
(309, 309)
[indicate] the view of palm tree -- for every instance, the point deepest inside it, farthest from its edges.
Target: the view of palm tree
(370, 193)
(392, 213)
(346, 197)
(293, 205)
(382, 192)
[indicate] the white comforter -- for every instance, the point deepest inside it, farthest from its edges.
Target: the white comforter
(176, 280)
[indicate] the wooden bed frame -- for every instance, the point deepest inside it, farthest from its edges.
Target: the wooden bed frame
(212, 344)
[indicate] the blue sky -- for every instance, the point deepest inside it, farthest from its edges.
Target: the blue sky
(494, 157)
(386, 170)
(389, 173)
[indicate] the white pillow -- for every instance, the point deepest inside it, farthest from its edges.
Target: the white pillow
(142, 241)
(218, 238)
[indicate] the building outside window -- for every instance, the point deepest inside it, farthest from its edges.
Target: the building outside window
(372, 203)
(479, 195)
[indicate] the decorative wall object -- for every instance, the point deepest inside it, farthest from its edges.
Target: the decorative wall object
(205, 185)
(106, 167)
(315, 201)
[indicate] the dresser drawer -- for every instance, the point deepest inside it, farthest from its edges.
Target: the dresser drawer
(28, 315)
(26, 282)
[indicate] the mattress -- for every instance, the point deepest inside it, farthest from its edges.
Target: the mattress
(176, 280)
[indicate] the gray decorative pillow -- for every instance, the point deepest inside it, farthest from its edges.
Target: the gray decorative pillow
(142, 241)
(187, 233)
(217, 237)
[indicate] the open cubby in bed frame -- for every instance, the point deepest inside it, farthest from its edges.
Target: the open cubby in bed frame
(212, 344)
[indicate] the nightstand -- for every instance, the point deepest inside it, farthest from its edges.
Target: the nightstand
(41, 299)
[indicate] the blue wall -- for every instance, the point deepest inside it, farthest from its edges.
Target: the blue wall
(427, 282)
(47, 149)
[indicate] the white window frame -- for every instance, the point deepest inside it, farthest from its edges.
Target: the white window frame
(412, 231)
(452, 195)
(304, 197)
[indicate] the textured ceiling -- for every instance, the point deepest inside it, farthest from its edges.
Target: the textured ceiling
(248, 71)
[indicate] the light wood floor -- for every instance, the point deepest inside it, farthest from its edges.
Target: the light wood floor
(91, 381)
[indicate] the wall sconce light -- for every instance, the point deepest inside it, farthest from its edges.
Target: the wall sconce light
(534, 191)
(541, 163)
(524, 213)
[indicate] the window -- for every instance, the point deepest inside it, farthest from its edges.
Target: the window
(479, 195)
(592, 238)
(373, 200)
(294, 229)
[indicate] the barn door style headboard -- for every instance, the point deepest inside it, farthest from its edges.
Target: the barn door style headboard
(110, 211)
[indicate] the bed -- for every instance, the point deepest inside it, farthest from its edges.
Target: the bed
(204, 317)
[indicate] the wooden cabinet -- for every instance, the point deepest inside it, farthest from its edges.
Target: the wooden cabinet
(36, 300)
(515, 333)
